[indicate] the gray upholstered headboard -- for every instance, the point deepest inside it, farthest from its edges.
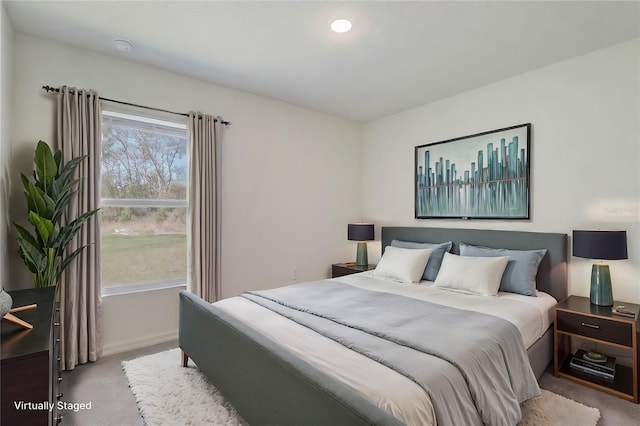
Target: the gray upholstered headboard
(552, 274)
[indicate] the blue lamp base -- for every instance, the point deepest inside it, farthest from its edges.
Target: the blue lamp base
(361, 254)
(601, 293)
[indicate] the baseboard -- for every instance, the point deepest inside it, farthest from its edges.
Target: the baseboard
(117, 347)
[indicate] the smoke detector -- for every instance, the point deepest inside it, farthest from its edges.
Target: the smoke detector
(123, 45)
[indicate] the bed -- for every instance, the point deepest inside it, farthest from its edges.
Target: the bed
(264, 368)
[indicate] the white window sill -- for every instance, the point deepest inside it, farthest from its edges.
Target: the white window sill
(114, 290)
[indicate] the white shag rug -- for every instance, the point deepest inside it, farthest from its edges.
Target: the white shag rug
(170, 395)
(552, 409)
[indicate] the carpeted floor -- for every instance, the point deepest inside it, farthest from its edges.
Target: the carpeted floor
(168, 394)
(105, 385)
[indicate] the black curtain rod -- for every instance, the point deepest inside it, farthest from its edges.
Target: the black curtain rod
(55, 89)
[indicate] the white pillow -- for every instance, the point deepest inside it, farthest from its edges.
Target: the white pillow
(472, 275)
(400, 264)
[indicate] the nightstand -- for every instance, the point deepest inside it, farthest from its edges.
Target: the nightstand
(340, 269)
(576, 318)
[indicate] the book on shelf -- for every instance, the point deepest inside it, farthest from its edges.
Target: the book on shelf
(587, 370)
(603, 366)
(596, 367)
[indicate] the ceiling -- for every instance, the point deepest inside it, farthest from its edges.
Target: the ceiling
(397, 56)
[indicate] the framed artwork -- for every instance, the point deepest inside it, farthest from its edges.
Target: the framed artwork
(481, 176)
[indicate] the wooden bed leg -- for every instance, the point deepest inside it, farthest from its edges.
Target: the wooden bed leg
(185, 358)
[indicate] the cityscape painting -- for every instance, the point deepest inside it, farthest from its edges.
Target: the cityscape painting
(481, 176)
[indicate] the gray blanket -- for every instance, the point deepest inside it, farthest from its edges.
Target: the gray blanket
(473, 366)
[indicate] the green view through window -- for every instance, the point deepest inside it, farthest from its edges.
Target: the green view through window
(143, 202)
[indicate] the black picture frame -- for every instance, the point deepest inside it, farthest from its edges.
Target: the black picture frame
(452, 179)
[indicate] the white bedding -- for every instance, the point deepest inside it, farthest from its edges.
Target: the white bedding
(532, 315)
(384, 387)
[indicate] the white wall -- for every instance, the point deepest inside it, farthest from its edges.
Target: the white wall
(6, 96)
(585, 164)
(291, 176)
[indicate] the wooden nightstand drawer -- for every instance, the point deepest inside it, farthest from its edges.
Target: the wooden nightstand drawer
(606, 330)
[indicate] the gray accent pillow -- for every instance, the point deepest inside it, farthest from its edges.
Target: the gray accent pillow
(435, 260)
(520, 273)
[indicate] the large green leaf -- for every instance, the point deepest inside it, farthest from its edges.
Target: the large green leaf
(49, 275)
(58, 157)
(69, 167)
(72, 256)
(44, 227)
(62, 202)
(54, 235)
(49, 203)
(26, 235)
(25, 181)
(46, 167)
(61, 187)
(32, 257)
(69, 231)
(35, 201)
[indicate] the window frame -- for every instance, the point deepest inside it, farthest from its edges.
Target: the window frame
(146, 116)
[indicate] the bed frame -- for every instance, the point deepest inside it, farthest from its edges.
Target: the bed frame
(269, 385)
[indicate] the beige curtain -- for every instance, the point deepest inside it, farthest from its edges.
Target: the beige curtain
(204, 206)
(79, 133)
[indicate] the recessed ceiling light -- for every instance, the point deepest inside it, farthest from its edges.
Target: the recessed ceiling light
(341, 25)
(123, 45)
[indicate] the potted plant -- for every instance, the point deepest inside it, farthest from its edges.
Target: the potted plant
(43, 251)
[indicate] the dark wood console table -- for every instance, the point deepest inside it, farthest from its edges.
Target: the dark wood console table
(29, 370)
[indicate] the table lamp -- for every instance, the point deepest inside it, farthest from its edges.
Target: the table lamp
(601, 245)
(360, 232)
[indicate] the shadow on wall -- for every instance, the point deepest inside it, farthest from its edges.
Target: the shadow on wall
(17, 276)
(5, 232)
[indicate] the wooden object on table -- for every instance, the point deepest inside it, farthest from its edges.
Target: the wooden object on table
(576, 318)
(9, 317)
(341, 269)
(29, 369)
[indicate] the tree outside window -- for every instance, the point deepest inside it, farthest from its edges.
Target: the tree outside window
(144, 202)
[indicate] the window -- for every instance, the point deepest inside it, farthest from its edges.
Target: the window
(144, 202)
